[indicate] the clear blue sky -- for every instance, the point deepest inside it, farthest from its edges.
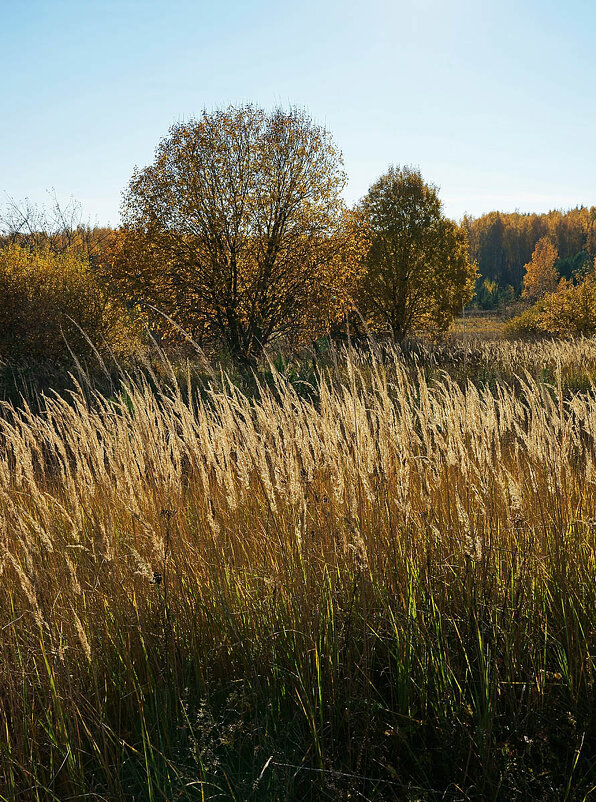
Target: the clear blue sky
(494, 101)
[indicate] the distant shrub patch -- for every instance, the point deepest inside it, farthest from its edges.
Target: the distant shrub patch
(568, 312)
(50, 302)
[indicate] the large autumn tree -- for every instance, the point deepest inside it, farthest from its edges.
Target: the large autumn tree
(238, 230)
(418, 273)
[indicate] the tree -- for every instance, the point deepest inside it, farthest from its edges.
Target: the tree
(502, 244)
(418, 274)
(238, 231)
(541, 276)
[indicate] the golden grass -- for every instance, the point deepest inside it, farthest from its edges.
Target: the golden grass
(287, 597)
(478, 326)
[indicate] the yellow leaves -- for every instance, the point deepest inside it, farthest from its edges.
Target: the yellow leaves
(238, 228)
(52, 303)
(541, 276)
(569, 311)
(418, 273)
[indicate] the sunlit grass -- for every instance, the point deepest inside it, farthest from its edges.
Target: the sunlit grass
(382, 587)
(485, 325)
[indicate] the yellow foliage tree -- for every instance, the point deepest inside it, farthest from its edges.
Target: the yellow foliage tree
(417, 271)
(541, 275)
(238, 231)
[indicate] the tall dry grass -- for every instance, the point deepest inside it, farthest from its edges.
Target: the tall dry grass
(383, 590)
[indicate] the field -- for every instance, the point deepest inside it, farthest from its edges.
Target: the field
(478, 325)
(369, 576)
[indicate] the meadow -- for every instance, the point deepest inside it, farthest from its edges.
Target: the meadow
(369, 574)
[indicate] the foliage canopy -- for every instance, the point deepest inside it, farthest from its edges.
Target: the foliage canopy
(502, 243)
(568, 312)
(418, 274)
(238, 229)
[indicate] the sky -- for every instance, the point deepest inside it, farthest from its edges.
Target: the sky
(493, 100)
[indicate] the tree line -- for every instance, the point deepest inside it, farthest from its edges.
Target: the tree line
(238, 236)
(502, 245)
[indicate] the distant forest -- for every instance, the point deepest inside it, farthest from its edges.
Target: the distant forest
(502, 244)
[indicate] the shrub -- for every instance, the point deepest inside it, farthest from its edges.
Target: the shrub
(50, 302)
(568, 312)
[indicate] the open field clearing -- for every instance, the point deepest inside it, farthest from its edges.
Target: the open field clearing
(478, 326)
(380, 585)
